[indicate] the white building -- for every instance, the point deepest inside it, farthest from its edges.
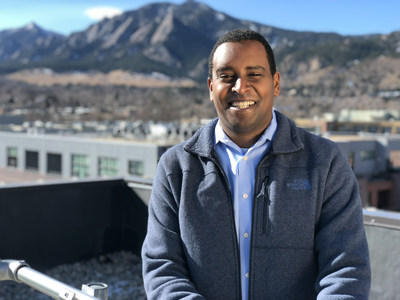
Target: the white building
(78, 157)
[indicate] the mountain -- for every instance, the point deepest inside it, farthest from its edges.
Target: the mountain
(153, 38)
(175, 40)
(26, 45)
(320, 71)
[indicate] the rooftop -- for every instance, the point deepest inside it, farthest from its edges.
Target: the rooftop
(65, 222)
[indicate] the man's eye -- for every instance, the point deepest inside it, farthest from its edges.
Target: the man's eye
(254, 74)
(227, 77)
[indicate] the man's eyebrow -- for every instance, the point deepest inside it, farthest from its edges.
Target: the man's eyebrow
(222, 69)
(255, 68)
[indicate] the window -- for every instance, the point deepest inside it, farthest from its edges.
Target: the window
(358, 128)
(344, 128)
(31, 160)
(387, 129)
(108, 167)
(135, 168)
(53, 163)
(12, 157)
(367, 155)
(80, 166)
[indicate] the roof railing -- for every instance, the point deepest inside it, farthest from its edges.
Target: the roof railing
(19, 271)
(381, 218)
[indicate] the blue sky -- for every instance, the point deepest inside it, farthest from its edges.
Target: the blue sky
(347, 17)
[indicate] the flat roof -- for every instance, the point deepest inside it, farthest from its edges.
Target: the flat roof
(10, 176)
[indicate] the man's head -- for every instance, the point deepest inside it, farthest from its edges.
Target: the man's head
(243, 85)
(238, 35)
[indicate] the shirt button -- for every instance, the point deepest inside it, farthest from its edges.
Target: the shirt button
(247, 275)
(245, 196)
(245, 157)
(246, 235)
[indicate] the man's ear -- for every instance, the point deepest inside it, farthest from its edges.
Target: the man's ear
(210, 88)
(277, 84)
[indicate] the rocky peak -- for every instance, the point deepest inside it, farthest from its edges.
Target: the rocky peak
(164, 29)
(176, 40)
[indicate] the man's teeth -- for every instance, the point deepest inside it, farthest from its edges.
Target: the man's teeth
(243, 104)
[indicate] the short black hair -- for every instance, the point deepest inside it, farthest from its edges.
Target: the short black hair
(238, 35)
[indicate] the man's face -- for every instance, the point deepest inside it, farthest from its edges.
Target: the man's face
(243, 88)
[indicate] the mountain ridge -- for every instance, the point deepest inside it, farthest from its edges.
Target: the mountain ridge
(171, 39)
(319, 71)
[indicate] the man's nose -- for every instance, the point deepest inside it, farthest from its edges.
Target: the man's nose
(241, 86)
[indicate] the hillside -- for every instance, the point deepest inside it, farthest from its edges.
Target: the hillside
(167, 45)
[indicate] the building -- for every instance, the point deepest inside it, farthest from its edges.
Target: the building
(78, 157)
(354, 121)
(375, 160)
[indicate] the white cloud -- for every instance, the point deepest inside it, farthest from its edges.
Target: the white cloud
(101, 12)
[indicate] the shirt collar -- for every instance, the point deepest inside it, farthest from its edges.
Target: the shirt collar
(268, 135)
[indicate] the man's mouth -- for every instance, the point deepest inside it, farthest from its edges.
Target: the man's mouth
(242, 104)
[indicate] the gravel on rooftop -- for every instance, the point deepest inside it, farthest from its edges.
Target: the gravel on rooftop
(121, 271)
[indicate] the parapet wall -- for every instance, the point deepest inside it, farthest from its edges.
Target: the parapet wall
(52, 224)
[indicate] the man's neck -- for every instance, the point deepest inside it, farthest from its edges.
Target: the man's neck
(244, 140)
(247, 138)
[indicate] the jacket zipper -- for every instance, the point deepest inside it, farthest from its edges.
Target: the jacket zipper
(264, 203)
(264, 217)
(228, 189)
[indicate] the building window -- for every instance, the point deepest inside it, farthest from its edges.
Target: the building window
(80, 166)
(358, 128)
(135, 168)
(367, 154)
(12, 157)
(31, 160)
(54, 163)
(344, 128)
(107, 167)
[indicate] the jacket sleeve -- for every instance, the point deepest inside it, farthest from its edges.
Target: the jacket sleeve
(341, 244)
(165, 272)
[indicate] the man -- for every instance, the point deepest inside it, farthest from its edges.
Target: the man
(252, 207)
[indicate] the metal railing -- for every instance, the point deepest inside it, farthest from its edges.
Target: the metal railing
(381, 218)
(19, 271)
(382, 228)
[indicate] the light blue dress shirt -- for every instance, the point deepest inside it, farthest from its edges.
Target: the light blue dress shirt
(240, 167)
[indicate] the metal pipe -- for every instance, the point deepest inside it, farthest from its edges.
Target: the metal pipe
(97, 289)
(381, 218)
(19, 271)
(8, 269)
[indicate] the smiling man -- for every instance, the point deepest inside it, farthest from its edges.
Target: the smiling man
(252, 207)
(243, 87)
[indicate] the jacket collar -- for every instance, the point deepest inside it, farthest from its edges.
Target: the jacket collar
(286, 138)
